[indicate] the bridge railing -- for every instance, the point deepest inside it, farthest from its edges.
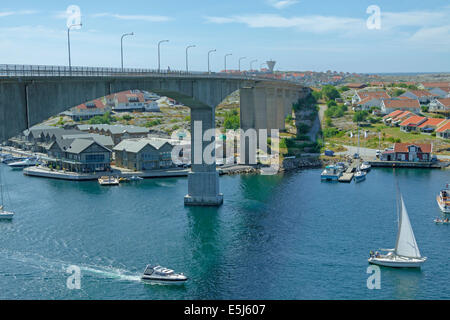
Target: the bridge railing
(14, 70)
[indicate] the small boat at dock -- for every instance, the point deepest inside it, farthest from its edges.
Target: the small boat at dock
(135, 178)
(360, 176)
(443, 200)
(331, 173)
(29, 162)
(442, 221)
(108, 181)
(365, 166)
(4, 215)
(161, 275)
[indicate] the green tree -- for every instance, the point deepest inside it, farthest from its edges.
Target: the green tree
(330, 92)
(360, 116)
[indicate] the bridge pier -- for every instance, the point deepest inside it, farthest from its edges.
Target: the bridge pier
(203, 180)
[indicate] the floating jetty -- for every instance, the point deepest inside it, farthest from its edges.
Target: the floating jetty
(347, 176)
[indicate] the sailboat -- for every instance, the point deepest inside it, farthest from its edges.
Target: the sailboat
(359, 175)
(4, 215)
(406, 253)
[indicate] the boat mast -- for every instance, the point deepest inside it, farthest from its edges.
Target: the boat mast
(1, 188)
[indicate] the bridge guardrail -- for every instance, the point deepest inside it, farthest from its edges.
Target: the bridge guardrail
(14, 70)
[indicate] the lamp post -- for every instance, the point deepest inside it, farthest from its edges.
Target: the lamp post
(229, 54)
(241, 58)
(68, 43)
(209, 53)
(159, 54)
(187, 65)
(251, 64)
(121, 45)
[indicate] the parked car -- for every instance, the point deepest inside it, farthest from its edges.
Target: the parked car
(378, 153)
(356, 156)
(329, 153)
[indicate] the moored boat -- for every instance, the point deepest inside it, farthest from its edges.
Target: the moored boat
(4, 215)
(443, 200)
(359, 176)
(365, 166)
(29, 162)
(331, 173)
(158, 274)
(135, 178)
(442, 221)
(108, 181)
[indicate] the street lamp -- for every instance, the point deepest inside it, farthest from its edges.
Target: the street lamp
(192, 46)
(121, 45)
(251, 64)
(241, 58)
(229, 54)
(68, 42)
(159, 54)
(209, 53)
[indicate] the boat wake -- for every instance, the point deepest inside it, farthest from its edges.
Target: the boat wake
(57, 266)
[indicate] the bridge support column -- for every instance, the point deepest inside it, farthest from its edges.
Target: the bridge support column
(280, 105)
(287, 102)
(271, 105)
(203, 180)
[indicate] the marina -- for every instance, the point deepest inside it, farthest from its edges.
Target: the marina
(218, 248)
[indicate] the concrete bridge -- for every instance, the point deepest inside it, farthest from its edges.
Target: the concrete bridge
(32, 94)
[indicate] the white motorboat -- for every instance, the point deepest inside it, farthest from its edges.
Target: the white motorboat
(5, 215)
(443, 200)
(365, 166)
(331, 173)
(360, 175)
(136, 178)
(108, 181)
(29, 162)
(158, 274)
(406, 253)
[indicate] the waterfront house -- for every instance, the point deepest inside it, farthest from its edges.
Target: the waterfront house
(411, 152)
(143, 154)
(78, 155)
(365, 100)
(412, 123)
(443, 131)
(88, 110)
(390, 105)
(423, 96)
(116, 132)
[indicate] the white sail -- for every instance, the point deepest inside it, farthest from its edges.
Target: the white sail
(406, 242)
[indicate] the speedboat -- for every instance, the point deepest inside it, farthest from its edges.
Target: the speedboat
(331, 173)
(158, 274)
(29, 162)
(5, 215)
(7, 159)
(365, 166)
(360, 176)
(406, 253)
(443, 200)
(135, 178)
(108, 181)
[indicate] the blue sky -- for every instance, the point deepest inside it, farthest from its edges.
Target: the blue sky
(300, 35)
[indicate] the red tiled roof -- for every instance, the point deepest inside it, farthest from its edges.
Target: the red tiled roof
(445, 127)
(403, 115)
(403, 103)
(98, 104)
(421, 93)
(435, 84)
(123, 97)
(413, 121)
(403, 147)
(445, 102)
(393, 114)
(373, 94)
(355, 85)
(433, 122)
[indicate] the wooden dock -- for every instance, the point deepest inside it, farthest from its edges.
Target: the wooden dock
(347, 176)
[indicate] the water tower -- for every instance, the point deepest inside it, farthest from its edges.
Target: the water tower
(271, 65)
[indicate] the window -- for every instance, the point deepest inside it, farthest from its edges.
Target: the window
(95, 158)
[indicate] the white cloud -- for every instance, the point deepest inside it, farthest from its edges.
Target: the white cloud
(148, 18)
(12, 13)
(315, 24)
(281, 4)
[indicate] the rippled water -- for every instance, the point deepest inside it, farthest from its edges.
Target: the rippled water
(276, 237)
